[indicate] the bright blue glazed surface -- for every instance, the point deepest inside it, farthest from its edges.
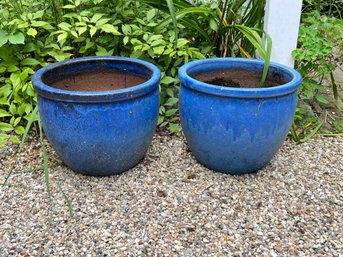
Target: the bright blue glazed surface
(99, 133)
(236, 130)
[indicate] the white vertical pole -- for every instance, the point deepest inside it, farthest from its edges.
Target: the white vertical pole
(281, 22)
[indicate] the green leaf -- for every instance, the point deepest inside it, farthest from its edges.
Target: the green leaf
(5, 126)
(65, 26)
(101, 22)
(160, 120)
(158, 42)
(171, 101)
(181, 42)
(15, 79)
(39, 24)
(62, 36)
(69, 6)
(213, 25)
(14, 139)
(154, 38)
(6, 90)
(150, 14)
(168, 80)
(74, 33)
(31, 32)
(175, 128)
(12, 120)
(19, 130)
(4, 101)
(13, 109)
(16, 121)
(171, 112)
(2, 143)
(28, 108)
(4, 136)
(108, 28)
(158, 50)
(12, 68)
(321, 99)
(126, 40)
(3, 38)
(103, 52)
(4, 113)
(92, 31)
(17, 38)
(29, 62)
(126, 29)
(81, 30)
(96, 17)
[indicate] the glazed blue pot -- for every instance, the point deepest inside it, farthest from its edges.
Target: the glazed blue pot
(236, 130)
(99, 133)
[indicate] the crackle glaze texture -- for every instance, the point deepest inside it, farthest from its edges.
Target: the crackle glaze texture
(236, 130)
(99, 133)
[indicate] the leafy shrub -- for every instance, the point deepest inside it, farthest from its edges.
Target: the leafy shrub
(319, 37)
(330, 8)
(212, 23)
(36, 33)
(319, 51)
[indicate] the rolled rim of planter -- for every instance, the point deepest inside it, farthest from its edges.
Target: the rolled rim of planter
(141, 68)
(293, 77)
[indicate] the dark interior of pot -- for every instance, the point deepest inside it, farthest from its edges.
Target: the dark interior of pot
(239, 76)
(97, 75)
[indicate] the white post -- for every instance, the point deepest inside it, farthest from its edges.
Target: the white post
(281, 22)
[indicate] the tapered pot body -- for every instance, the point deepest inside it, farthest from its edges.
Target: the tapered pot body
(236, 130)
(99, 133)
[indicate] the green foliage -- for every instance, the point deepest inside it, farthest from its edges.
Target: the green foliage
(320, 37)
(212, 24)
(36, 33)
(234, 26)
(264, 50)
(331, 8)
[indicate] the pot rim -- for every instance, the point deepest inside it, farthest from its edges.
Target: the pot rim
(284, 89)
(53, 93)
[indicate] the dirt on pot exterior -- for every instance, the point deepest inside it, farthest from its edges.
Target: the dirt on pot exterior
(169, 205)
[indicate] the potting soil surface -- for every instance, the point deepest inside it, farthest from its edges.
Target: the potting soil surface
(237, 78)
(98, 81)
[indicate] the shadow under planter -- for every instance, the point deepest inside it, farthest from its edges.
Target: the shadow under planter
(231, 125)
(99, 113)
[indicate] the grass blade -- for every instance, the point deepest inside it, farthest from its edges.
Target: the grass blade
(171, 8)
(254, 38)
(180, 14)
(263, 51)
(7, 177)
(294, 134)
(45, 160)
(313, 133)
(27, 128)
(266, 60)
(68, 202)
(334, 89)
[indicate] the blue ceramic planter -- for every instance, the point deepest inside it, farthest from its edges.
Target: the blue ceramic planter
(99, 133)
(236, 130)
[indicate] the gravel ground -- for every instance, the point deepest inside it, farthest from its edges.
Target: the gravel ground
(169, 205)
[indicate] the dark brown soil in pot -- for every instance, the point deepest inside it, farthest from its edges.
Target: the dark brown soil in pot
(98, 81)
(237, 78)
